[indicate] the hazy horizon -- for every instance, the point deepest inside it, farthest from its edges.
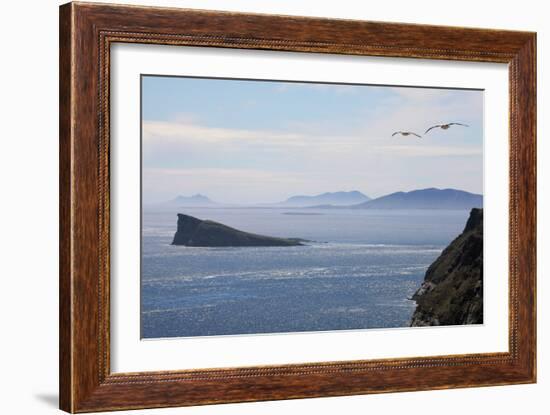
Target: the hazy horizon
(223, 202)
(253, 142)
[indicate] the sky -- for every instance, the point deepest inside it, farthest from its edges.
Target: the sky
(247, 141)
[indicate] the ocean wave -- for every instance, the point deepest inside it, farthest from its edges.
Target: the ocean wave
(291, 274)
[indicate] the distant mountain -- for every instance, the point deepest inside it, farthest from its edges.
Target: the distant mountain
(425, 199)
(335, 199)
(195, 200)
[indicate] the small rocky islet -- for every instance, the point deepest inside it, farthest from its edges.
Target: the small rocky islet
(195, 232)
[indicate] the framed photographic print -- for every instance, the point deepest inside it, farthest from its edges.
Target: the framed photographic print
(259, 207)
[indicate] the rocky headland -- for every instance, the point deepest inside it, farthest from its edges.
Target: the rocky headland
(192, 231)
(452, 291)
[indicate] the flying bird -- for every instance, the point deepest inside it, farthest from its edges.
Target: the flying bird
(445, 126)
(405, 133)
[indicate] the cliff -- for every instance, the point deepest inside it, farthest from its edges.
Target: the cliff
(195, 232)
(452, 291)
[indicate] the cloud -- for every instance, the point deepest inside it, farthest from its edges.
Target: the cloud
(417, 115)
(421, 94)
(169, 137)
(182, 130)
(430, 151)
(187, 155)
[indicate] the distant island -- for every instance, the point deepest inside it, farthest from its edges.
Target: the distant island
(431, 198)
(192, 231)
(302, 213)
(330, 198)
(452, 291)
(196, 200)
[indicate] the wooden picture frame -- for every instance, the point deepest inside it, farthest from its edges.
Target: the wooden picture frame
(86, 33)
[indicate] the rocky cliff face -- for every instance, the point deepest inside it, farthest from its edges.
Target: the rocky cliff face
(195, 232)
(452, 291)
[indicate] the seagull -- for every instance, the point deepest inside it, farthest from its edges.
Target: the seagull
(405, 133)
(445, 126)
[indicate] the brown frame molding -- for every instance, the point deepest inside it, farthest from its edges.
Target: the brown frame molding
(86, 33)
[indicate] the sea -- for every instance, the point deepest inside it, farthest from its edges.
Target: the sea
(358, 272)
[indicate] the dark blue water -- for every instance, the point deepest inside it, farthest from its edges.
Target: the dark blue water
(358, 274)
